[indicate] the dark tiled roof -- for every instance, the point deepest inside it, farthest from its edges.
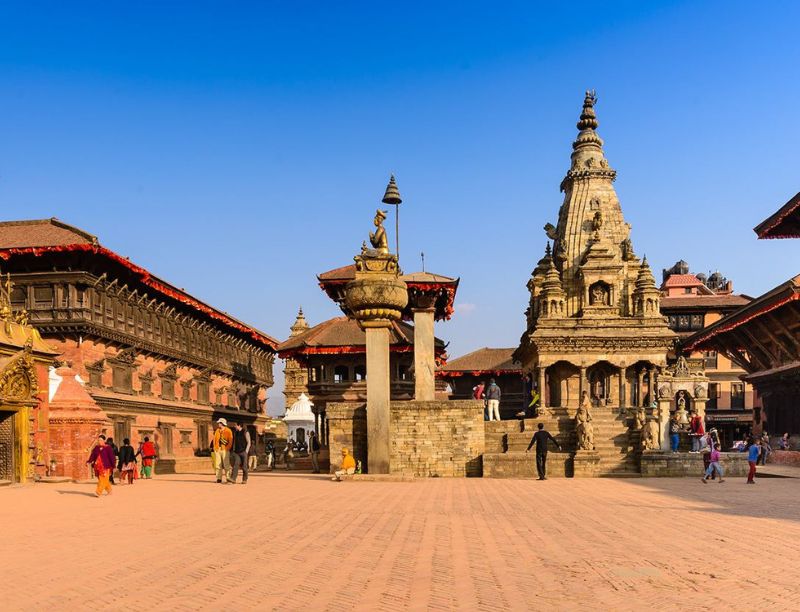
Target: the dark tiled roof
(483, 360)
(344, 332)
(783, 224)
(41, 233)
(704, 301)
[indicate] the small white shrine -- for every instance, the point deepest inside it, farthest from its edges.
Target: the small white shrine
(300, 419)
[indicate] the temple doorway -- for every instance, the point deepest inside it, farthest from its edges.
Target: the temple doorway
(7, 439)
(600, 383)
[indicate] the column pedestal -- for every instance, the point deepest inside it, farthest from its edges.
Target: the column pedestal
(663, 419)
(424, 358)
(378, 400)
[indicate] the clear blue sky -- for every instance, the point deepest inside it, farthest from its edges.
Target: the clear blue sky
(237, 149)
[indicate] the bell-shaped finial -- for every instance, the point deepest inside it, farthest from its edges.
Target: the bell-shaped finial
(392, 195)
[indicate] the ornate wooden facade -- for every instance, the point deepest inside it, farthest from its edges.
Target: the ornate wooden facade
(157, 360)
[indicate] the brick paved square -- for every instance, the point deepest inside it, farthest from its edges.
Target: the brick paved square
(292, 542)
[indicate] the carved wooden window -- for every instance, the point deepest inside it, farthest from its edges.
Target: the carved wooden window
(203, 438)
(186, 390)
(186, 437)
(43, 295)
(341, 373)
(202, 391)
(167, 388)
(122, 378)
(165, 446)
(147, 384)
(81, 297)
(713, 396)
(18, 298)
(360, 373)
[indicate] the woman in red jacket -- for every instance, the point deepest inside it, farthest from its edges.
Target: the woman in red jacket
(148, 452)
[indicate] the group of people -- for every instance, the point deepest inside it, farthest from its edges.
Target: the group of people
(235, 449)
(490, 394)
(755, 448)
(106, 458)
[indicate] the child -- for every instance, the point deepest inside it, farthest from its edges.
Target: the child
(752, 457)
(714, 465)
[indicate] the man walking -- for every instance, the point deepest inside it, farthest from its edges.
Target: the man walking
(540, 438)
(222, 444)
(493, 400)
(752, 458)
(241, 447)
(313, 449)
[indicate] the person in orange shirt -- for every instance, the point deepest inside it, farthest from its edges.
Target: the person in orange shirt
(222, 444)
(348, 465)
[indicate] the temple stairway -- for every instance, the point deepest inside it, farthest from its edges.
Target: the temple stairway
(506, 441)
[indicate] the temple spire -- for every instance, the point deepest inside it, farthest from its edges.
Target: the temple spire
(300, 324)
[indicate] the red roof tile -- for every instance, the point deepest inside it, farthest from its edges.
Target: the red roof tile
(682, 280)
(41, 233)
(704, 301)
(484, 360)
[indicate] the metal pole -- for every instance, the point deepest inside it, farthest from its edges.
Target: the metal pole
(397, 230)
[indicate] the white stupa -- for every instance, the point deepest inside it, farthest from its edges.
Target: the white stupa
(300, 419)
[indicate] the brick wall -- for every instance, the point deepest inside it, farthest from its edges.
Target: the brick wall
(436, 438)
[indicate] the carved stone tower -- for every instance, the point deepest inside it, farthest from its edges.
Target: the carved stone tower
(295, 373)
(593, 322)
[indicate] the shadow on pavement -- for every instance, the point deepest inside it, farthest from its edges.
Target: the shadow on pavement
(774, 498)
(62, 492)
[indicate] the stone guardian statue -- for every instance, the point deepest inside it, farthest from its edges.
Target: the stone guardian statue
(583, 425)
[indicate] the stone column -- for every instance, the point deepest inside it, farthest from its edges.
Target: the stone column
(378, 400)
(651, 384)
(542, 387)
(640, 388)
(584, 386)
(622, 372)
(424, 359)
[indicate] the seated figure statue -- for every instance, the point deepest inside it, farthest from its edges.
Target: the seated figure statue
(652, 434)
(348, 465)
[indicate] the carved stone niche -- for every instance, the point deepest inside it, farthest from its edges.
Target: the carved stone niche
(96, 370)
(168, 377)
(122, 366)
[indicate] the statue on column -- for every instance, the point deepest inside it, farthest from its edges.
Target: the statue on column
(583, 425)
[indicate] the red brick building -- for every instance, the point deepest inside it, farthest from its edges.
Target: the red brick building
(155, 360)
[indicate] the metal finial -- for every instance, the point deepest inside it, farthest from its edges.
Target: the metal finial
(422, 255)
(588, 118)
(392, 195)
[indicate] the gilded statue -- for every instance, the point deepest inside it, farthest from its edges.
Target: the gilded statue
(22, 317)
(583, 425)
(378, 237)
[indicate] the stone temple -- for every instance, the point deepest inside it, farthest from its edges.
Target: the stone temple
(593, 321)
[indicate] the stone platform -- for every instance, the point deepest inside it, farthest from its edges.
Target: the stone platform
(519, 464)
(661, 463)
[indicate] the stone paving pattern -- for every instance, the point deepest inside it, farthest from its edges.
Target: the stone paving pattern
(301, 542)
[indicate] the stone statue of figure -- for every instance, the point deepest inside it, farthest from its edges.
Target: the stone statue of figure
(599, 296)
(378, 237)
(627, 250)
(681, 401)
(583, 424)
(652, 434)
(639, 418)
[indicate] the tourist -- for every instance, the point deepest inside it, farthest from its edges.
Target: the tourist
(696, 431)
(288, 454)
(222, 444)
(766, 449)
(241, 447)
(148, 452)
(270, 455)
(752, 458)
(348, 466)
(313, 447)
(493, 400)
(102, 459)
(540, 438)
(252, 457)
(714, 465)
(674, 433)
(127, 461)
(784, 443)
(110, 442)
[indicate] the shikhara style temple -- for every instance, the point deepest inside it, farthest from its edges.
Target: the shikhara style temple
(152, 359)
(763, 337)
